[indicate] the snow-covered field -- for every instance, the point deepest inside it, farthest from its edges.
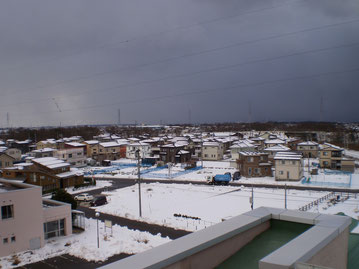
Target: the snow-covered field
(84, 245)
(211, 168)
(209, 203)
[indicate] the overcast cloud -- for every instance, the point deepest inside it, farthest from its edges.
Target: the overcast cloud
(79, 61)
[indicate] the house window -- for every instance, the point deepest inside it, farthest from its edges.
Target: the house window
(7, 212)
(256, 170)
(325, 153)
(249, 171)
(54, 228)
(283, 162)
(281, 172)
(250, 159)
(79, 153)
(13, 239)
(293, 162)
(70, 155)
(5, 241)
(42, 177)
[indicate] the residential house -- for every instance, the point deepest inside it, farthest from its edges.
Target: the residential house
(27, 219)
(6, 160)
(273, 142)
(75, 156)
(331, 156)
(109, 151)
(309, 149)
(243, 145)
(254, 164)
(273, 150)
(143, 148)
(288, 166)
(92, 148)
(41, 153)
(212, 151)
(15, 153)
(49, 143)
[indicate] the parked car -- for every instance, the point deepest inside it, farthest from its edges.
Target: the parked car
(99, 200)
(85, 197)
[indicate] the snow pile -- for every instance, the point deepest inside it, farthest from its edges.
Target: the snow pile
(84, 245)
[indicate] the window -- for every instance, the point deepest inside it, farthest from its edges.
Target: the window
(79, 153)
(54, 228)
(70, 155)
(13, 239)
(249, 171)
(256, 170)
(325, 153)
(294, 162)
(281, 172)
(283, 162)
(250, 159)
(42, 177)
(7, 212)
(5, 241)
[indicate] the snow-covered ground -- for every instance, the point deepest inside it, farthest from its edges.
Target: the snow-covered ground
(209, 203)
(211, 168)
(84, 245)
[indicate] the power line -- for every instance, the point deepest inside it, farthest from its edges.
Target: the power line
(220, 68)
(169, 59)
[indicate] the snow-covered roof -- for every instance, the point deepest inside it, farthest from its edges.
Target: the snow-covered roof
(75, 144)
(51, 162)
(327, 145)
(288, 156)
(72, 172)
(274, 141)
(252, 153)
(2, 149)
(211, 144)
(43, 150)
(110, 144)
(278, 148)
(308, 143)
(91, 142)
(242, 144)
(183, 152)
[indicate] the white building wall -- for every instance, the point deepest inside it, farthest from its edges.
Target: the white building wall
(26, 226)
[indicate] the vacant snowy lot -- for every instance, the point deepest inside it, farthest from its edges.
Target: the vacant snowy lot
(84, 245)
(160, 203)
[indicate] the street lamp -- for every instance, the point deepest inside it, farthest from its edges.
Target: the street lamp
(98, 240)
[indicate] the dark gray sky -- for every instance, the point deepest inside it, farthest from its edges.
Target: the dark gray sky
(156, 60)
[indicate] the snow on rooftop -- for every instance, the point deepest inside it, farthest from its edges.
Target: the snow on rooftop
(110, 144)
(51, 162)
(75, 144)
(308, 143)
(278, 148)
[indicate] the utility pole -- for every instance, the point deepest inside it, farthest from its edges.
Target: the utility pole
(119, 117)
(252, 199)
(201, 149)
(285, 196)
(139, 180)
(8, 119)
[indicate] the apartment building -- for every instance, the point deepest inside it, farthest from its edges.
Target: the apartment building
(27, 220)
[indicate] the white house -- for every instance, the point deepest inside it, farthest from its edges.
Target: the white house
(212, 151)
(288, 166)
(144, 148)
